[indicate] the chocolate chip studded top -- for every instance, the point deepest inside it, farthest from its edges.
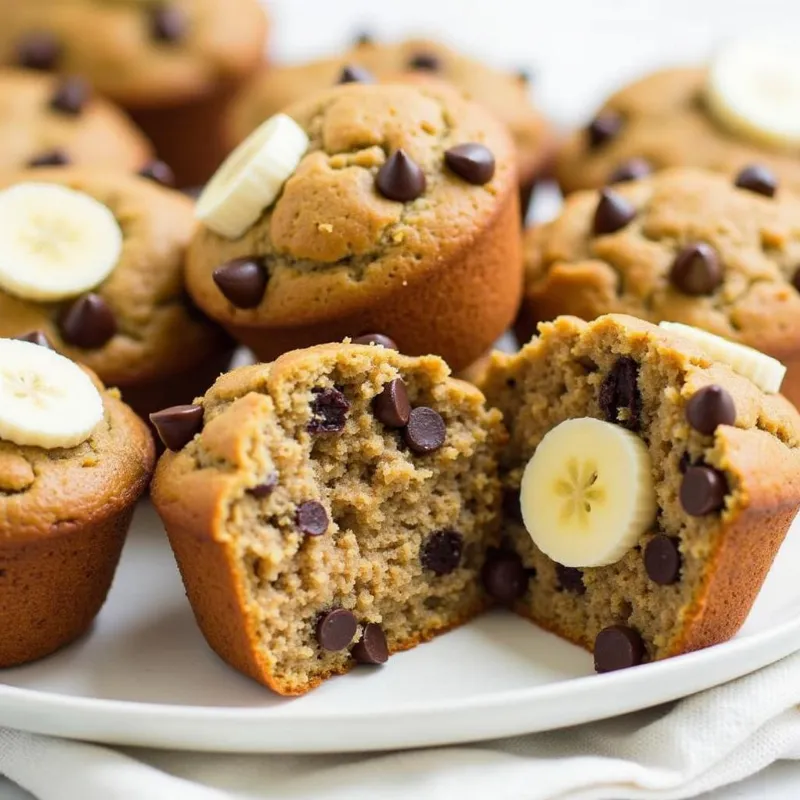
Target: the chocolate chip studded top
(700, 250)
(137, 53)
(662, 118)
(137, 325)
(42, 114)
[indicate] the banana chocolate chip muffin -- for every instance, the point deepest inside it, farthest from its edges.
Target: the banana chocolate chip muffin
(718, 117)
(330, 508)
(648, 486)
(506, 94)
(94, 261)
(74, 460)
(48, 121)
(173, 65)
(683, 245)
(389, 208)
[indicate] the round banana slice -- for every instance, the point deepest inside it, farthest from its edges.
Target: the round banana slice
(754, 90)
(46, 400)
(764, 371)
(587, 493)
(252, 177)
(55, 242)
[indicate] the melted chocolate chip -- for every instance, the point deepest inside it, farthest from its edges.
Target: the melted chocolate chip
(570, 579)
(662, 560)
(371, 648)
(631, 170)
(266, 488)
(709, 407)
(504, 576)
(336, 629)
(352, 73)
(471, 161)
(88, 323)
(36, 337)
(400, 178)
(329, 408)
(703, 490)
(177, 426)
(159, 172)
(39, 50)
(376, 338)
(312, 518)
(425, 431)
(71, 96)
(392, 406)
(758, 179)
(603, 128)
(441, 552)
(620, 392)
(242, 281)
(617, 647)
(696, 270)
(613, 213)
(50, 158)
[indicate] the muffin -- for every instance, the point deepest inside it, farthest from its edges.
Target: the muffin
(46, 120)
(506, 94)
(74, 460)
(388, 208)
(647, 487)
(330, 508)
(683, 245)
(94, 261)
(174, 66)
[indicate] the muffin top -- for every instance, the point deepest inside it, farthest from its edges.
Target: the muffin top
(70, 450)
(662, 120)
(335, 240)
(141, 53)
(504, 93)
(94, 260)
(50, 120)
(683, 245)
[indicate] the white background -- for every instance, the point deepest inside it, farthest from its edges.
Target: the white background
(578, 50)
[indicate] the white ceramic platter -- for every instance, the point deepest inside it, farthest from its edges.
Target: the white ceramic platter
(144, 676)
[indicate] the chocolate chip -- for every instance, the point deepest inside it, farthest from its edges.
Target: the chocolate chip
(441, 552)
(709, 407)
(39, 50)
(471, 161)
(159, 172)
(88, 323)
(504, 576)
(329, 408)
(400, 178)
(168, 23)
(336, 629)
(612, 213)
(352, 73)
(570, 579)
(312, 519)
(178, 425)
(604, 127)
(50, 158)
(36, 337)
(376, 338)
(392, 406)
(266, 488)
(511, 505)
(620, 392)
(684, 463)
(363, 38)
(71, 96)
(371, 648)
(703, 490)
(617, 647)
(242, 281)
(758, 179)
(425, 431)
(425, 61)
(796, 279)
(662, 559)
(524, 75)
(631, 170)
(696, 269)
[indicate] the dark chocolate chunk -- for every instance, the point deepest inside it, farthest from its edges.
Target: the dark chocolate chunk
(617, 647)
(371, 648)
(710, 406)
(441, 552)
(758, 179)
(312, 518)
(352, 73)
(242, 281)
(703, 490)
(168, 23)
(39, 50)
(88, 323)
(50, 158)
(329, 408)
(178, 425)
(336, 629)
(425, 431)
(159, 172)
(471, 161)
(613, 213)
(604, 127)
(71, 96)
(36, 337)
(400, 178)
(620, 392)
(266, 488)
(429, 62)
(696, 269)
(504, 576)
(392, 406)
(376, 338)
(570, 579)
(662, 559)
(631, 170)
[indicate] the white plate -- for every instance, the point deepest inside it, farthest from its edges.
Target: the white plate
(144, 676)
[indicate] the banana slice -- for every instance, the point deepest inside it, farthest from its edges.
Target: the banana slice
(587, 493)
(55, 242)
(46, 400)
(754, 90)
(764, 371)
(252, 177)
